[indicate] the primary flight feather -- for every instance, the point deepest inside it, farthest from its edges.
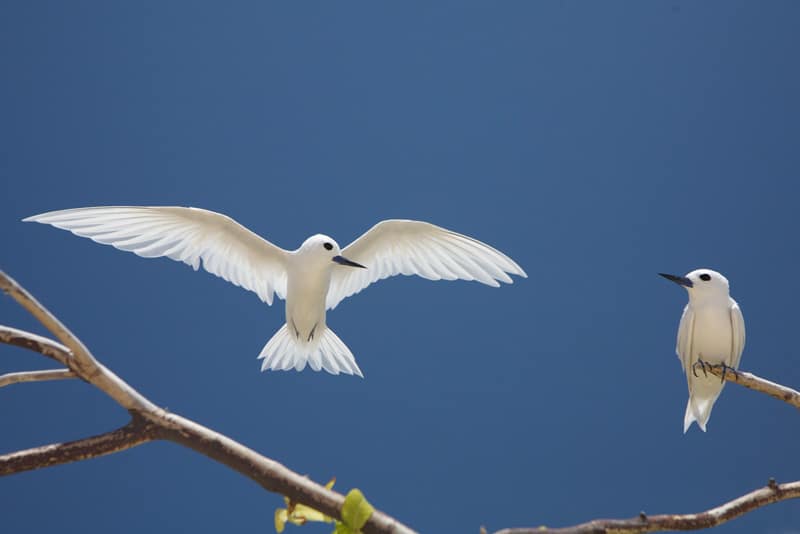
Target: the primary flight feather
(312, 279)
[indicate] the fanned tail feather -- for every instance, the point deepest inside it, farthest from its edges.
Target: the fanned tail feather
(326, 351)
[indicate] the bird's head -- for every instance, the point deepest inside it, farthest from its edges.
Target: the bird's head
(325, 249)
(702, 283)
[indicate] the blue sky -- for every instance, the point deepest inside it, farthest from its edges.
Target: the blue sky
(596, 143)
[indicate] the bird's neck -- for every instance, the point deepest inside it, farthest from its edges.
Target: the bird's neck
(710, 300)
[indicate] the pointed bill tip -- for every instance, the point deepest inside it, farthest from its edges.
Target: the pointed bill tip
(680, 280)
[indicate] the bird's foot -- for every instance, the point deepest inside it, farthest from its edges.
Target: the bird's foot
(702, 365)
(725, 369)
(296, 331)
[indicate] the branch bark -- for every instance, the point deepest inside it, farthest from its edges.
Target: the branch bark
(756, 383)
(658, 523)
(136, 432)
(35, 376)
(150, 422)
(42, 345)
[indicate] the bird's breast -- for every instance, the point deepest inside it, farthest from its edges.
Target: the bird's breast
(305, 303)
(713, 334)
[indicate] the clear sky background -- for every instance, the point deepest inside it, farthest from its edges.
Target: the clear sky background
(596, 143)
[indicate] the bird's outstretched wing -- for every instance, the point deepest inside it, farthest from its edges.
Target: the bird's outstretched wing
(413, 247)
(685, 335)
(737, 328)
(226, 248)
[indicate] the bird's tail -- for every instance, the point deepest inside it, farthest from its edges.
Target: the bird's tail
(698, 409)
(325, 351)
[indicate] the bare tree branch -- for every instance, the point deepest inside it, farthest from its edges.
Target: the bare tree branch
(136, 432)
(757, 383)
(35, 376)
(39, 344)
(151, 422)
(657, 523)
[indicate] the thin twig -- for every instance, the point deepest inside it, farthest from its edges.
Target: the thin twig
(757, 383)
(30, 341)
(35, 376)
(657, 523)
(136, 432)
(27, 301)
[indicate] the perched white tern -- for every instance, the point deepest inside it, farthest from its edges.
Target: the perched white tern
(312, 279)
(711, 332)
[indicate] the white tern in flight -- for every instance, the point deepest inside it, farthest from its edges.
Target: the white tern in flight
(711, 332)
(312, 279)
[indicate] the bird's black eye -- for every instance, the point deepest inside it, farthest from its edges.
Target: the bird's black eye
(705, 277)
(328, 246)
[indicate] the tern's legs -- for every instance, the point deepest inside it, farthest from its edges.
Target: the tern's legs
(705, 366)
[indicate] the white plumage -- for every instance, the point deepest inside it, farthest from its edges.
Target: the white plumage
(312, 279)
(711, 330)
(413, 247)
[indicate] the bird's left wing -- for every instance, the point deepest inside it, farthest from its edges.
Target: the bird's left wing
(226, 248)
(414, 247)
(737, 328)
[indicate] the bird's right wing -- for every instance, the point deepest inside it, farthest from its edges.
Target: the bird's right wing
(414, 247)
(226, 248)
(685, 335)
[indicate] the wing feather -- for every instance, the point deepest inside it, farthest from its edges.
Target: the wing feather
(685, 334)
(190, 235)
(737, 327)
(414, 247)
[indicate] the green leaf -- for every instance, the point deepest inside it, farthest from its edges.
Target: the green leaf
(300, 514)
(355, 511)
(341, 528)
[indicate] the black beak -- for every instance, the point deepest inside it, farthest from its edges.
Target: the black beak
(680, 280)
(341, 260)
